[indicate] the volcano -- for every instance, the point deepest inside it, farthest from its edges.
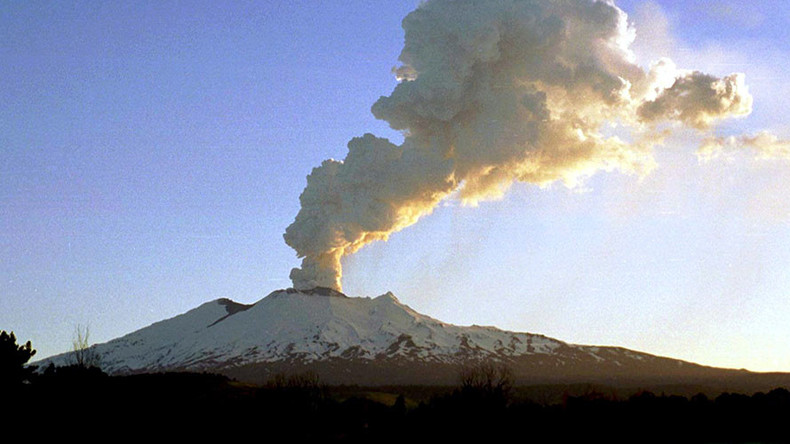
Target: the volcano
(362, 340)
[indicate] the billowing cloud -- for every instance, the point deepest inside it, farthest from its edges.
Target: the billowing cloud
(699, 100)
(493, 92)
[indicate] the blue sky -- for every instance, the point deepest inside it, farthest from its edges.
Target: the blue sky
(153, 155)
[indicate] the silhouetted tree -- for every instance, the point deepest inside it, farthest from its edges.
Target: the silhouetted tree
(399, 407)
(301, 390)
(83, 355)
(300, 382)
(13, 358)
(486, 380)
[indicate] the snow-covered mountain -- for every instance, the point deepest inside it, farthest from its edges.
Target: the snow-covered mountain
(357, 340)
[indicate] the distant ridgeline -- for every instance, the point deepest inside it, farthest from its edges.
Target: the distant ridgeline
(378, 341)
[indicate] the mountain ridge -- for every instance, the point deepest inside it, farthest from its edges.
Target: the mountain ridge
(360, 340)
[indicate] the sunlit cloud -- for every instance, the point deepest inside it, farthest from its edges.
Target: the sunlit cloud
(497, 92)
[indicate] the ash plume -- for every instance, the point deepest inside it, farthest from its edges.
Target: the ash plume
(494, 92)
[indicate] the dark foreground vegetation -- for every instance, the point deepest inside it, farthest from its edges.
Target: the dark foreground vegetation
(84, 401)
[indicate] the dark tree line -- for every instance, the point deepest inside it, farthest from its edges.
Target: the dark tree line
(13, 360)
(300, 408)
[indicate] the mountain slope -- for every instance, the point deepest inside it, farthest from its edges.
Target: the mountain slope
(358, 340)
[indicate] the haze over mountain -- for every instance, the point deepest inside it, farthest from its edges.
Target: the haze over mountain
(363, 341)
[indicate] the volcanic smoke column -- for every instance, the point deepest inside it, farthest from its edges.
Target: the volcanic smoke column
(492, 92)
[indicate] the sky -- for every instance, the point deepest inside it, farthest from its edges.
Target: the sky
(153, 154)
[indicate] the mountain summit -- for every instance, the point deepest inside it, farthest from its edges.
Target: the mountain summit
(359, 340)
